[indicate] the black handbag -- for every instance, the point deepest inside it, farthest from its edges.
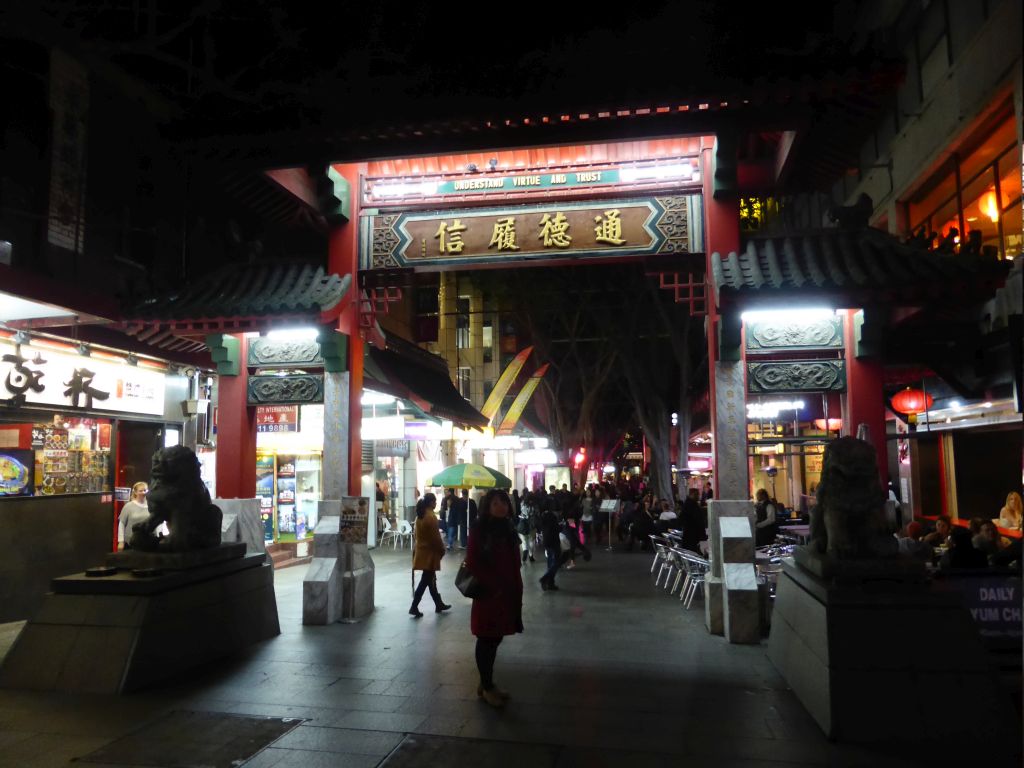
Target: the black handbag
(468, 584)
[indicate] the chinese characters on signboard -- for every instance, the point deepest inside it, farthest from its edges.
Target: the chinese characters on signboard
(277, 418)
(71, 381)
(552, 232)
(576, 230)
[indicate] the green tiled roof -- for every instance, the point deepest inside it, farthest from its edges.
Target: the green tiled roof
(856, 266)
(248, 290)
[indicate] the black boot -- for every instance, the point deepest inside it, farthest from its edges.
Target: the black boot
(415, 611)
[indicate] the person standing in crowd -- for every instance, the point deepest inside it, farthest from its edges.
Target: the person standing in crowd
(134, 511)
(493, 559)
(457, 511)
(446, 506)
(571, 528)
(471, 510)
(707, 494)
(552, 544)
(766, 527)
(587, 505)
(427, 552)
(695, 522)
(524, 526)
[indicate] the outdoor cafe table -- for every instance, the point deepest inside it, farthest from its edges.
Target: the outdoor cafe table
(800, 532)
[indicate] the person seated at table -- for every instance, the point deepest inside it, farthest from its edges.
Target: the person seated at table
(961, 553)
(943, 527)
(1009, 556)
(643, 525)
(695, 522)
(666, 517)
(911, 546)
(987, 539)
(1012, 514)
(766, 527)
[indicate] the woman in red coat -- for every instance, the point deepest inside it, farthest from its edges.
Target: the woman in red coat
(493, 558)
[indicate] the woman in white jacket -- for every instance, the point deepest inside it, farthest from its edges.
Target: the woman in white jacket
(135, 511)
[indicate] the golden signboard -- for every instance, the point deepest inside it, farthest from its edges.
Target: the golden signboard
(568, 230)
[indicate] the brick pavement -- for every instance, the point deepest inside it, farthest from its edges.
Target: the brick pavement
(610, 671)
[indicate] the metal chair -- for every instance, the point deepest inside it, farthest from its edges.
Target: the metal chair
(682, 571)
(697, 569)
(660, 545)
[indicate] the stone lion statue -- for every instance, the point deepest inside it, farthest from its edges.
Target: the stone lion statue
(848, 521)
(178, 497)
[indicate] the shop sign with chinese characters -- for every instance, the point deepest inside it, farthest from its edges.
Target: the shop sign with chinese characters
(610, 228)
(277, 418)
(35, 376)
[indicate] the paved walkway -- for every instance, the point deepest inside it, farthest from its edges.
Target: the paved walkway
(610, 672)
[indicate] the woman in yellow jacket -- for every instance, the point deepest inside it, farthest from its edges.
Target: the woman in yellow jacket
(427, 554)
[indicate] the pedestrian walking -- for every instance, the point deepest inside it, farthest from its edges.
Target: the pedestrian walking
(428, 549)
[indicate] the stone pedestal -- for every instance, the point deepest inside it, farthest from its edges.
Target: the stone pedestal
(741, 607)
(122, 633)
(339, 584)
(131, 559)
(241, 523)
(877, 659)
(736, 551)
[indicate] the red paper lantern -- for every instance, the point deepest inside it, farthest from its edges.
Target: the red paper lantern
(831, 425)
(912, 401)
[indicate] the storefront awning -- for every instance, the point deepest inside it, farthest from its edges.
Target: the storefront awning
(404, 370)
(238, 298)
(849, 268)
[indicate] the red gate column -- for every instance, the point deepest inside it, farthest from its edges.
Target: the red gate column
(727, 382)
(865, 396)
(236, 421)
(342, 259)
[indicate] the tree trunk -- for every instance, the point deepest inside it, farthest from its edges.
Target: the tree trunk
(661, 463)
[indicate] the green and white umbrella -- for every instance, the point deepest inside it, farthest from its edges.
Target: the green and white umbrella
(470, 476)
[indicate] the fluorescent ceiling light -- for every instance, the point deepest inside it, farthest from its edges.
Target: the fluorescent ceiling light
(788, 315)
(404, 189)
(676, 171)
(15, 308)
(369, 397)
(293, 334)
(772, 409)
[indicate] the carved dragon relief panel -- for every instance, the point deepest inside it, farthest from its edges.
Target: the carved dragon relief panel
(300, 389)
(823, 333)
(801, 376)
(267, 353)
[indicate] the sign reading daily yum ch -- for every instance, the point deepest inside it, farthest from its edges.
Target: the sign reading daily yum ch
(594, 229)
(43, 376)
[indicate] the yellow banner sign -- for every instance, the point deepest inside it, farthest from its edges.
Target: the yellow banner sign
(515, 411)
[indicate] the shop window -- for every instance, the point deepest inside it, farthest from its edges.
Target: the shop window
(987, 199)
(51, 459)
(488, 341)
(462, 324)
(464, 380)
